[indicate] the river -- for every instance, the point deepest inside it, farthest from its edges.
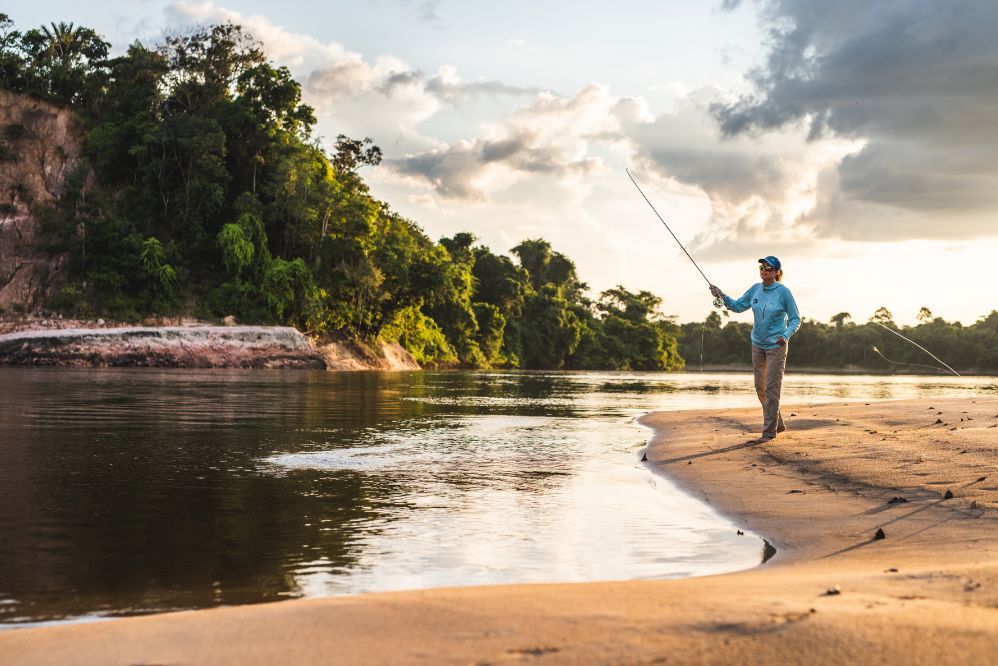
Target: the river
(129, 491)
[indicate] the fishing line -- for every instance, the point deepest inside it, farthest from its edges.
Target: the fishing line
(717, 301)
(739, 247)
(917, 345)
(919, 365)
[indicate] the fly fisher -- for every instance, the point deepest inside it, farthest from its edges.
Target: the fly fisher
(776, 319)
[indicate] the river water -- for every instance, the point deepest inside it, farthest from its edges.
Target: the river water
(134, 491)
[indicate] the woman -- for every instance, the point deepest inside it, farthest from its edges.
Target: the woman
(776, 319)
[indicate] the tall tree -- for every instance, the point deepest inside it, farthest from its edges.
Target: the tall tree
(65, 64)
(12, 61)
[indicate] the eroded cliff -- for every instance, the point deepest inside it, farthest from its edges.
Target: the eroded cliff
(40, 145)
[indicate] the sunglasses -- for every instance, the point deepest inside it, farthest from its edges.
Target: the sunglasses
(765, 267)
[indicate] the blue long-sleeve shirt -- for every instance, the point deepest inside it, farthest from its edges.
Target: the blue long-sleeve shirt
(774, 309)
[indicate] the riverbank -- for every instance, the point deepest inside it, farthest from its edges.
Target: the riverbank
(925, 593)
(185, 344)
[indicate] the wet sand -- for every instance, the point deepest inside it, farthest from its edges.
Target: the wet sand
(927, 592)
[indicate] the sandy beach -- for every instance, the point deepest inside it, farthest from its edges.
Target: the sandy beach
(920, 474)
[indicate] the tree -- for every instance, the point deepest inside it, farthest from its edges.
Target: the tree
(924, 315)
(153, 258)
(549, 332)
(841, 319)
(351, 154)
(546, 267)
(500, 282)
(882, 316)
(12, 62)
(453, 309)
(206, 64)
(630, 335)
(65, 63)
(639, 307)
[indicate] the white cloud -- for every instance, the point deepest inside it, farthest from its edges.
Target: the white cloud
(385, 98)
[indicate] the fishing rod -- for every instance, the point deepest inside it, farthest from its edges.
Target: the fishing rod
(717, 301)
(917, 345)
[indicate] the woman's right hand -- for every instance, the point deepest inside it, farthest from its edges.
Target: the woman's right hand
(714, 291)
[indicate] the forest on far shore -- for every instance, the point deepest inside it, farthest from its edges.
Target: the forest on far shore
(203, 191)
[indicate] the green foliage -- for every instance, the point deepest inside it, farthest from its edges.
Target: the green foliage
(12, 58)
(153, 259)
(237, 249)
(452, 308)
(421, 336)
(59, 62)
(290, 290)
(546, 267)
(549, 331)
(629, 334)
(244, 300)
(491, 333)
(350, 154)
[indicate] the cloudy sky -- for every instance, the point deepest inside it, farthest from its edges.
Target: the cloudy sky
(855, 140)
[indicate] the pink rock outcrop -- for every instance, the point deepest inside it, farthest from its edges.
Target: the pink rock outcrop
(164, 347)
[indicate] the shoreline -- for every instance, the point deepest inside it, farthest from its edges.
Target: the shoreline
(834, 593)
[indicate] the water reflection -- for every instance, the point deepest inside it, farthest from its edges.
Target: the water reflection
(128, 491)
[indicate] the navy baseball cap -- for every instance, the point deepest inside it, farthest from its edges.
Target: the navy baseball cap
(772, 261)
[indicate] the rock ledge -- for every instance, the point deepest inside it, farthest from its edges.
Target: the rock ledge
(163, 347)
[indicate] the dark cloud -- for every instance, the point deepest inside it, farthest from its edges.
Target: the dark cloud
(400, 80)
(685, 146)
(731, 175)
(917, 81)
(448, 88)
(452, 171)
(457, 91)
(337, 79)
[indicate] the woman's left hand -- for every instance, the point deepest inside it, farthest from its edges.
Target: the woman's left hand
(782, 341)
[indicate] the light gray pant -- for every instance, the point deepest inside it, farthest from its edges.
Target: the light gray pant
(768, 366)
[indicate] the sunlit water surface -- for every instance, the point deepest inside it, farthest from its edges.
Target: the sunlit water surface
(134, 491)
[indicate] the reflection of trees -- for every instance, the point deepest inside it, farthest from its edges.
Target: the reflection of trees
(135, 498)
(639, 387)
(149, 485)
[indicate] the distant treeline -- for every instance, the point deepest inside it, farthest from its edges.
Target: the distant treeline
(841, 343)
(204, 191)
